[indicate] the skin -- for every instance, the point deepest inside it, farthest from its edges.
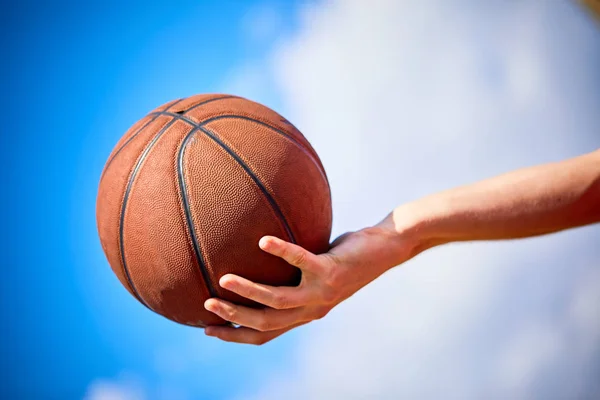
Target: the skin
(528, 202)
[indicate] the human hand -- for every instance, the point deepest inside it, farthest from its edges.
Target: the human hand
(354, 260)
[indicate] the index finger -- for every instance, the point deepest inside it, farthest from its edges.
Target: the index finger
(292, 253)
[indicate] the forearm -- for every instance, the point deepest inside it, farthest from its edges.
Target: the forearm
(523, 203)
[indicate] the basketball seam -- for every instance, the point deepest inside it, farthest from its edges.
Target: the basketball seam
(284, 134)
(308, 150)
(154, 116)
(226, 96)
(110, 160)
(256, 180)
(185, 200)
(130, 183)
(246, 168)
(305, 144)
(188, 214)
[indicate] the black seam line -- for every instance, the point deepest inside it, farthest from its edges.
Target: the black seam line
(257, 181)
(205, 102)
(185, 198)
(124, 207)
(133, 137)
(188, 214)
(132, 178)
(250, 173)
(279, 131)
(156, 115)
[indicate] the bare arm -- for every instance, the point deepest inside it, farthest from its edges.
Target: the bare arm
(527, 202)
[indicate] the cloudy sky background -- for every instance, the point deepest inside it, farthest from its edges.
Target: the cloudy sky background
(400, 99)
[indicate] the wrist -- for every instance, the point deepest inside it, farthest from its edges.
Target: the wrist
(416, 223)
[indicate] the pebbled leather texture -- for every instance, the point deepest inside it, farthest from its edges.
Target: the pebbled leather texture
(191, 188)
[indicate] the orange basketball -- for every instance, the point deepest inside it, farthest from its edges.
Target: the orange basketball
(190, 189)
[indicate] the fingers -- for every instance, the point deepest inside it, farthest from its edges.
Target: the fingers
(286, 307)
(245, 335)
(275, 297)
(266, 319)
(293, 254)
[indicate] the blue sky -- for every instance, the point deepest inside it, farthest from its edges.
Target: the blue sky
(400, 100)
(76, 76)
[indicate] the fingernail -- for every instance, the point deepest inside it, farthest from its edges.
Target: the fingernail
(226, 282)
(268, 242)
(209, 332)
(210, 305)
(263, 243)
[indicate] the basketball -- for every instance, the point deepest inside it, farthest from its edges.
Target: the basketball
(189, 190)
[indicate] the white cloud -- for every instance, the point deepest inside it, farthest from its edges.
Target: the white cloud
(126, 387)
(402, 99)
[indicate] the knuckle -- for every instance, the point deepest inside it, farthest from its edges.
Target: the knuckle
(299, 258)
(231, 313)
(279, 301)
